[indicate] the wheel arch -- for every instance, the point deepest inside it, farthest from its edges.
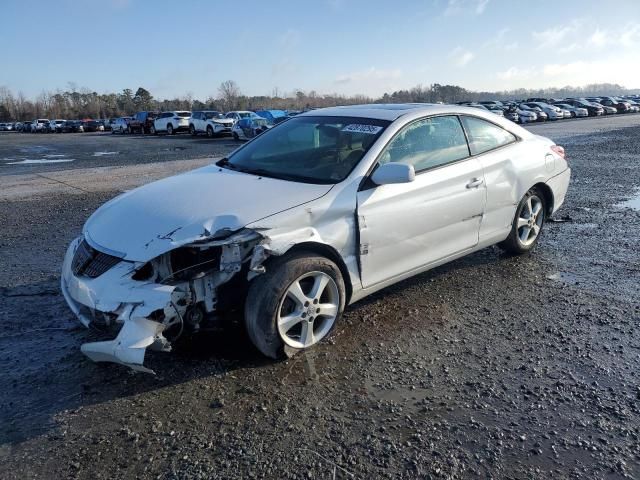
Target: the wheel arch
(547, 194)
(332, 254)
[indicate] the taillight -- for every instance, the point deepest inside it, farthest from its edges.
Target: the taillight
(557, 149)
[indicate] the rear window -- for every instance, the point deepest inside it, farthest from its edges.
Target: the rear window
(484, 136)
(184, 114)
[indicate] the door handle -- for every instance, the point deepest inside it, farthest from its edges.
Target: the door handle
(476, 182)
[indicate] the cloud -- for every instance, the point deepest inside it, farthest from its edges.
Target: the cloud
(498, 41)
(372, 73)
(599, 38)
(461, 57)
(554, 36)
(482, 4)
(461, 7)
(514, 73)
(372, 81)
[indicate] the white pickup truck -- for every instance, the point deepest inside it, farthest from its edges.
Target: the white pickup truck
(211, 122)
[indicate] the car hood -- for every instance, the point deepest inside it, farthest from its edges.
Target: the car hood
(222, 120)
(153, 219)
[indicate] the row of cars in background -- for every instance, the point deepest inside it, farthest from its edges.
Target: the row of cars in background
(244, 124)
(543, 109)
(241, 124)
(44, 125)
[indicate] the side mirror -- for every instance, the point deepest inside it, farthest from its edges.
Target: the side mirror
(393, 173)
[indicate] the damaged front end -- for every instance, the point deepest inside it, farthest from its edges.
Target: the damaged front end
(153, 303)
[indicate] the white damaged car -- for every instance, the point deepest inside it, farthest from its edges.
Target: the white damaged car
(312, 215)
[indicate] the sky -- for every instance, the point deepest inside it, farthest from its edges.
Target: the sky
(174, 48)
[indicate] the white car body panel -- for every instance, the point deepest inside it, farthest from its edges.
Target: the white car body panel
(177, 122)
(218, 125)
(374, 232)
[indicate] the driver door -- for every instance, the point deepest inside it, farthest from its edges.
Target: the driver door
(405, 227)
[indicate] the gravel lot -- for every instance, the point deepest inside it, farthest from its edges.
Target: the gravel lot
(491, 366)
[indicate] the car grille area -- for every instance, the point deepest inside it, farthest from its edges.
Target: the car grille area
(90, 262)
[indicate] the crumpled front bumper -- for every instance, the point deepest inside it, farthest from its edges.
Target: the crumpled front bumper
(130, 302)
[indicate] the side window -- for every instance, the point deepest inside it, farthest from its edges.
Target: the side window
(485, 136)
(428, 143)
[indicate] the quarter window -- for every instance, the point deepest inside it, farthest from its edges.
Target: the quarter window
(428, 143)
(484, 136)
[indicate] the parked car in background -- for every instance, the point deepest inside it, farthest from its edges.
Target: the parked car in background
(120, 125)
(26, 127)
(620, 106)
(541, 116)
(608, 110)
(573, 111)
(594, 110)
(238, 114)
(171, 122)
(249, 127)
(40, 125)
(635, 106)
(55, 126)
(73, 126)
(93, 126)
(272, 116)
(526, 115)
(307, 218)
(553, 112)
(142, 122)
(210, 122)
(6, 127)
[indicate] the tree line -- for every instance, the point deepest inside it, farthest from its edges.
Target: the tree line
(80, 103)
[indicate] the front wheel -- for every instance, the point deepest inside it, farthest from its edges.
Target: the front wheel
(527, 224)
(209, 132)
(295, 304)
(169, 129)
(129, 131)
(235, 136)
(192, 131)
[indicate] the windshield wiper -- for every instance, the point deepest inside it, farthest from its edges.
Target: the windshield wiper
(224, 162)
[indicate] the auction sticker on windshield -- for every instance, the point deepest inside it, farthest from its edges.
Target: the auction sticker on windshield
(360, 128)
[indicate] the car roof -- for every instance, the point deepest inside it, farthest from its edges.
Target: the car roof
(386, 111)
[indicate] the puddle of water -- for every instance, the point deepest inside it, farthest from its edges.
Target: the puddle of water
(564, 277)
(633, 203)
(102, 154)
(28, 161)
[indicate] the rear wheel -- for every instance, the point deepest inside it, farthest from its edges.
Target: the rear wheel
(527, 224)
(295, 305)
(235, 136)
(170, 129)
(129, 131)
(152, 130)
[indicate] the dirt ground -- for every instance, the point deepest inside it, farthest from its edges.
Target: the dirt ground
(491, 366)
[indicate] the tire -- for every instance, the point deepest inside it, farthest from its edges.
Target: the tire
(271, 299)
(129, 131)
(525, 229)
(170, 130)
(152, 130)
(235, 136)
(209, 131)
(192, 131)
(573, 114)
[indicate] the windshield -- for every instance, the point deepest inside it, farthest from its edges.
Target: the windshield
(308, 149)
(209, 115)
(184, 114)
(244, 114)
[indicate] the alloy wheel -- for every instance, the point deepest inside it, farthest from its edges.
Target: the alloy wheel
(308, 310)
(530, 220)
